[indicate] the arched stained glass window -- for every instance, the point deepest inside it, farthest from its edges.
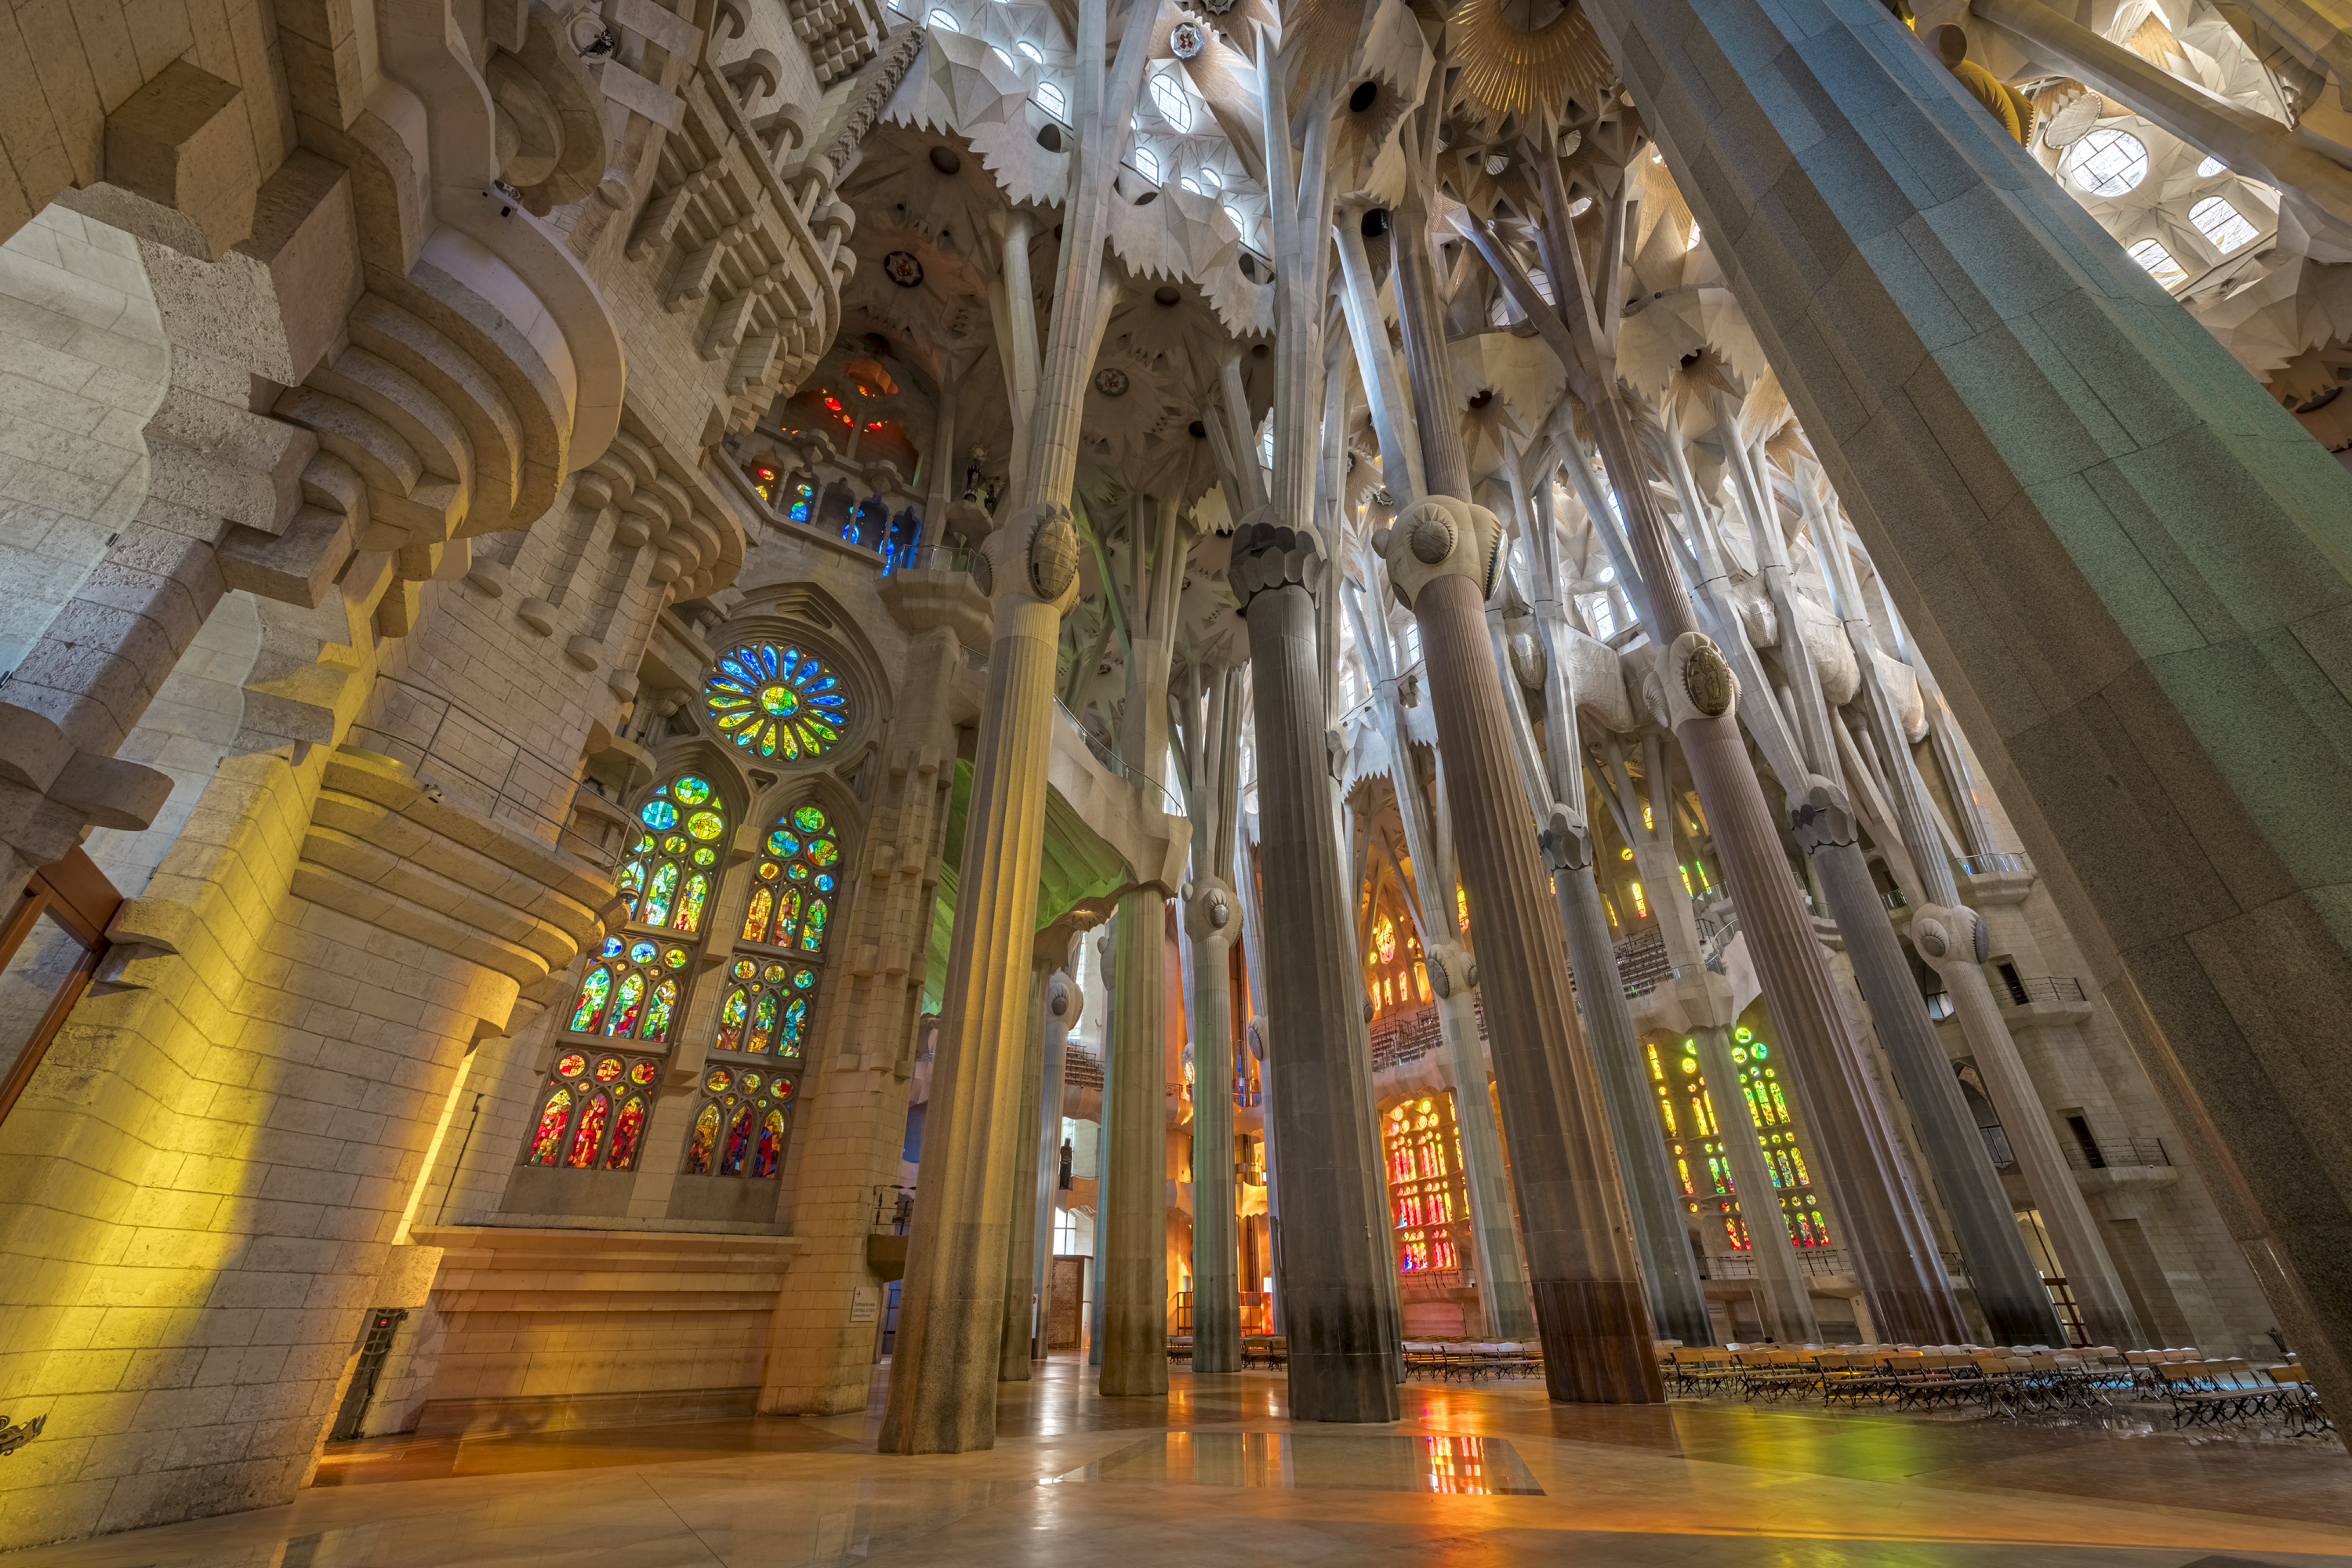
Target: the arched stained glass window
(667, 878)
(777, 701)
(578, 1127)
(769, 1007)
(1688, 1111)
(631, 990)
(1429, 1197)
(796, 880)
(741, 1129)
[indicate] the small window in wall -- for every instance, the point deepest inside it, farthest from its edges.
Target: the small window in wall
(1050, 99)
(1168, 97)
(49, 948)
(2158, 263)
(1146, 163)
(2107, 162)
(2221, 222)
(943, 20)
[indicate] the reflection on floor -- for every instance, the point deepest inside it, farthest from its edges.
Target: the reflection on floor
(1326, 1461)
(1216, 1475)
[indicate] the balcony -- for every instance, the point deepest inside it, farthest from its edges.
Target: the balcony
(2042, 999)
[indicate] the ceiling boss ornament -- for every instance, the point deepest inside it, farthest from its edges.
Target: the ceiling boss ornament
(1187, 40)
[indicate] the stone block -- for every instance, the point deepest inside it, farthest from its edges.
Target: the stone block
(183, 142)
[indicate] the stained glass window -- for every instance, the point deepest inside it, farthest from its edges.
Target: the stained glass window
(673, 864)
(1687, 1111)
(578, 1127)
(803, 497)
(631, 990)
(777, 701)
(769, 1001)
(766, 478)
(1428, 1194)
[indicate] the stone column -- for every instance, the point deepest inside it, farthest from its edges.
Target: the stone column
(2016, 1305)
(1509, 1311)
(1582, 1269)
(1887, 1235)
(1131, 1231)
(1949, 936)
(943, 1384)
(1063, 1001)
(1333, 1246)
(943, 1375)
(1213, 781)
(1216, 1301)
(2123, 592)
(1021, 1246)
(1678, 1300)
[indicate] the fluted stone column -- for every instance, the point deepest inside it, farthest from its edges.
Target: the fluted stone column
(952, 1317)
(1503, 1291)
(1021, 1244)
(2009, 1289)
(1887, 1235)
(1064, 1002)
(1333, 1247)
(1216, 1301)
(1132, 1232)
(1677, 1299)
(1582, 1269)
(2117, 595)
(1946, 935)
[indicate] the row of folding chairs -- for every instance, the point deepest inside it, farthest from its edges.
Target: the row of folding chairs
(2228, 1393)
(1469, 1361)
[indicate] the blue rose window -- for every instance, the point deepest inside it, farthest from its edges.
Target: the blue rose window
(777, 701)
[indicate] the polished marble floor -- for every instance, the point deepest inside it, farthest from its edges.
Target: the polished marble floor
(1217, 1476)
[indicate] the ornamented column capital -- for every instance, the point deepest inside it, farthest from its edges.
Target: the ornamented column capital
(1209, 910)
(1824, 818)
(1449, 965)
(1031, 559)
(1949, 937)
(1566, 844)
(1696, 681)
(1438, 536)
(1269, 553)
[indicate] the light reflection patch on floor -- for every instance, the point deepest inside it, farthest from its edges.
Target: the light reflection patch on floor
(1455, 1463)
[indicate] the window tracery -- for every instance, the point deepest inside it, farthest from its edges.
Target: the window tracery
(769, 1004)
(593, 1117)
(667, 879)
(777, 701)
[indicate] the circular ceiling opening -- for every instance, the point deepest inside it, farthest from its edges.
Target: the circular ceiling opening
(1375, 224)
(1366, 94)
(1167, 294)
(946, 160)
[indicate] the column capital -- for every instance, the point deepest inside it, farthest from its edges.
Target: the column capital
(1439, 536)
(1269, 553)
(1032, 559)
(1948, 937)
(1823, 818)
(1209, 910)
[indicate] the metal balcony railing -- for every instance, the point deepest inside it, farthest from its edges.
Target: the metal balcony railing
(2019, 863)
(2025, 990)
(2143, 1149)
(894, 1210)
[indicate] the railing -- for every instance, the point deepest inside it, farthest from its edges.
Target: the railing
(1111, 760)
(932, 558)
(466, 751)
(2024, 991)
(1083, 1068)
(2143, 1150)
(2018, 864)
(894, 1210)
(1811, 1260)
